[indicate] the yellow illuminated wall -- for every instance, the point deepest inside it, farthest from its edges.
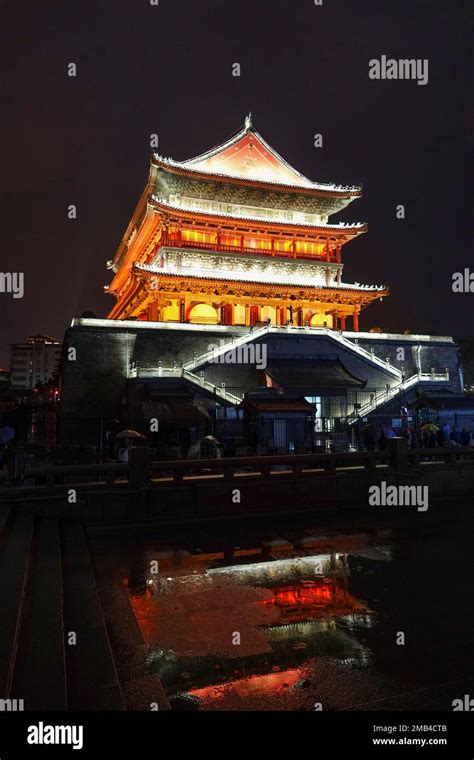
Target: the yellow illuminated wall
(171, 313)
(239, 315)
(318, 320)
(195, 236)
(283, 245)
(258, 242)
(268, 312)
(317, 249)
(204, 313)
(230, 240)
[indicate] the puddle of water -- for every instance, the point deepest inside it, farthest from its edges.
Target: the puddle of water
(259, 635)
(317, 625)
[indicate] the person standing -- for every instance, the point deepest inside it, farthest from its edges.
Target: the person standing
(123, 452)
(446, 434)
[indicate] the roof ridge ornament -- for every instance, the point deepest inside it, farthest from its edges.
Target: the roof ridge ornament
(248, 120)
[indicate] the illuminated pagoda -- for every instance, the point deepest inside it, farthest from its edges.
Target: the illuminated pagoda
(236, 236)
(231, 315)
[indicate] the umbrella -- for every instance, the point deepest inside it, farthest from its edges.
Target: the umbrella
(201, 407)
(430, 427)
(6, 434)
(129, 434)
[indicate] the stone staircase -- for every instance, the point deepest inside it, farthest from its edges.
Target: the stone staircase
(177, 372)
(334, 335)
(16, 538)
(55, 651)
(191, 370)
(39, 671)
(396, 390)
(91, 672)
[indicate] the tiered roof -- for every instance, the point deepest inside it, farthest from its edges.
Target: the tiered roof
(354, 228)
(248, 157)
(257, 277)
(231, 184)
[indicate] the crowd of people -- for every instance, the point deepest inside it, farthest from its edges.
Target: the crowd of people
(428, 436)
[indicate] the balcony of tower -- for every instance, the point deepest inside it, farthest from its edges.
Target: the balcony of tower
(294, 250)
(231, 232)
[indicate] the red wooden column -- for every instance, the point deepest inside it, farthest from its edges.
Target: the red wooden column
(228, 314)
(254, 314)
(153, 312)
(343, 321)
(355, 321)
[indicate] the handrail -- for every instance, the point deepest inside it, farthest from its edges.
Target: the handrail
(264, 464)
(215, 389)
(181, 371)
(231, 468)
(227, 346)
(363, 352)
(54, 473)
(273, 253)
(424, 377)
(238, 467)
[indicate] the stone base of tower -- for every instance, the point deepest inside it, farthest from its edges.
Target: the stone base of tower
(132, 370)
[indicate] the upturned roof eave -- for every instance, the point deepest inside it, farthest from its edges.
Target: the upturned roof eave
(149, 270)
(356, 228)
(179, 167)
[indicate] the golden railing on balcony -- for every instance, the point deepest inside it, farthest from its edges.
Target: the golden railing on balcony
(333, 256)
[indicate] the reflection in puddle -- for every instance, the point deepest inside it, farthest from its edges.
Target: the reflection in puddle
(254, 636)
(310, 599)
(271, 683)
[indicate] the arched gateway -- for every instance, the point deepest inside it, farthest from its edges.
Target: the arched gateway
(204, 314)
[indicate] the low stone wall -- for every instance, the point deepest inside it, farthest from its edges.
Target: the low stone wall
(216, 499)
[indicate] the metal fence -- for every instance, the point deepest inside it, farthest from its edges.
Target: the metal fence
(82, 440)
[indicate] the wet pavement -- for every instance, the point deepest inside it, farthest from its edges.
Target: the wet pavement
(305, 617)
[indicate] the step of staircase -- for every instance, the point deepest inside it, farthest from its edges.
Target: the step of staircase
(14, 565)
(40, 673)
(141, 689)
(91, 673)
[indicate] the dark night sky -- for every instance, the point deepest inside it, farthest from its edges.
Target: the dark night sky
(167, 69)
